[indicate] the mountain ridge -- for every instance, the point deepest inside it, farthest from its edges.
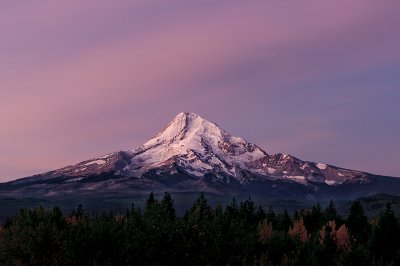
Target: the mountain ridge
(194, 154)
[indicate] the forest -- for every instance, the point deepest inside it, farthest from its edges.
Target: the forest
(240, 233)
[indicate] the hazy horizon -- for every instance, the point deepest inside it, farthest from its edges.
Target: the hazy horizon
(317, 80)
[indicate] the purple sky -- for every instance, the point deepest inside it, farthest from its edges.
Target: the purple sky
(316, 79)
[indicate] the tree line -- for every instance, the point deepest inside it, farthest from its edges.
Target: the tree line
(240, 233)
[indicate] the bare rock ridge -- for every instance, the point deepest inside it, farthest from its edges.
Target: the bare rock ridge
(193, 154)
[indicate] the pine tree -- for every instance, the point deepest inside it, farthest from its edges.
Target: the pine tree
(330, 212)
(34, 237)
(198, 227)
(260, 213)
(357, 223)
(201, 210)
(150, 200)
(296, 216)
(167, 205)
(231, 210)
(284, 221)
(387, 236)
(271, 217)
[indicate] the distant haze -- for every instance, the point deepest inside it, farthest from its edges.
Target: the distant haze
(315, 79)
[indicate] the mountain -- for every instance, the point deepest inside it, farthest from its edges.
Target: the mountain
(192, 154)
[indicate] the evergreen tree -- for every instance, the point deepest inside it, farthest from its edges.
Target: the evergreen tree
(231, 210)
(328, 237)
(242, 234)
(260, 213)
(34, 237)
(150, 201)
(247, 211)
(313, 220)
(296, 215)
(134, 235)
(357, 223)
(271, 217)
(284, 221)
(198, 225)
(167, 204)
(387, 237)
(331, 212)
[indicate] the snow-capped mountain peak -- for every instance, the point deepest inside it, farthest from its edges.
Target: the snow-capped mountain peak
(197, 145)
(187, 127)
(192, 154)
(197, 153)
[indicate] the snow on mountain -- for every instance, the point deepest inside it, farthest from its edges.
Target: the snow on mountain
(195, 147)
(198, 147)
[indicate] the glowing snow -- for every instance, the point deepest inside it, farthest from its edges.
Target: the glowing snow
(330, 182)
(197, 143)
(99, 162)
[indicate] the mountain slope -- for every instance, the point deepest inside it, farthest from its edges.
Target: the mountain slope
(193, 154)
(199, 147)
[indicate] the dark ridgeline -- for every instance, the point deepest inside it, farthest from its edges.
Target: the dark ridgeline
(240, 233)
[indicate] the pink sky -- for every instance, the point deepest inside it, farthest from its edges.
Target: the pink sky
(315, 79)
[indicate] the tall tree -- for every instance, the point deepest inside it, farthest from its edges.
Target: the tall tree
(284, 221)
(198, 227)
(167, 205)
(357, 223)
(150, 200)
(330, 212)
(387, 237)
